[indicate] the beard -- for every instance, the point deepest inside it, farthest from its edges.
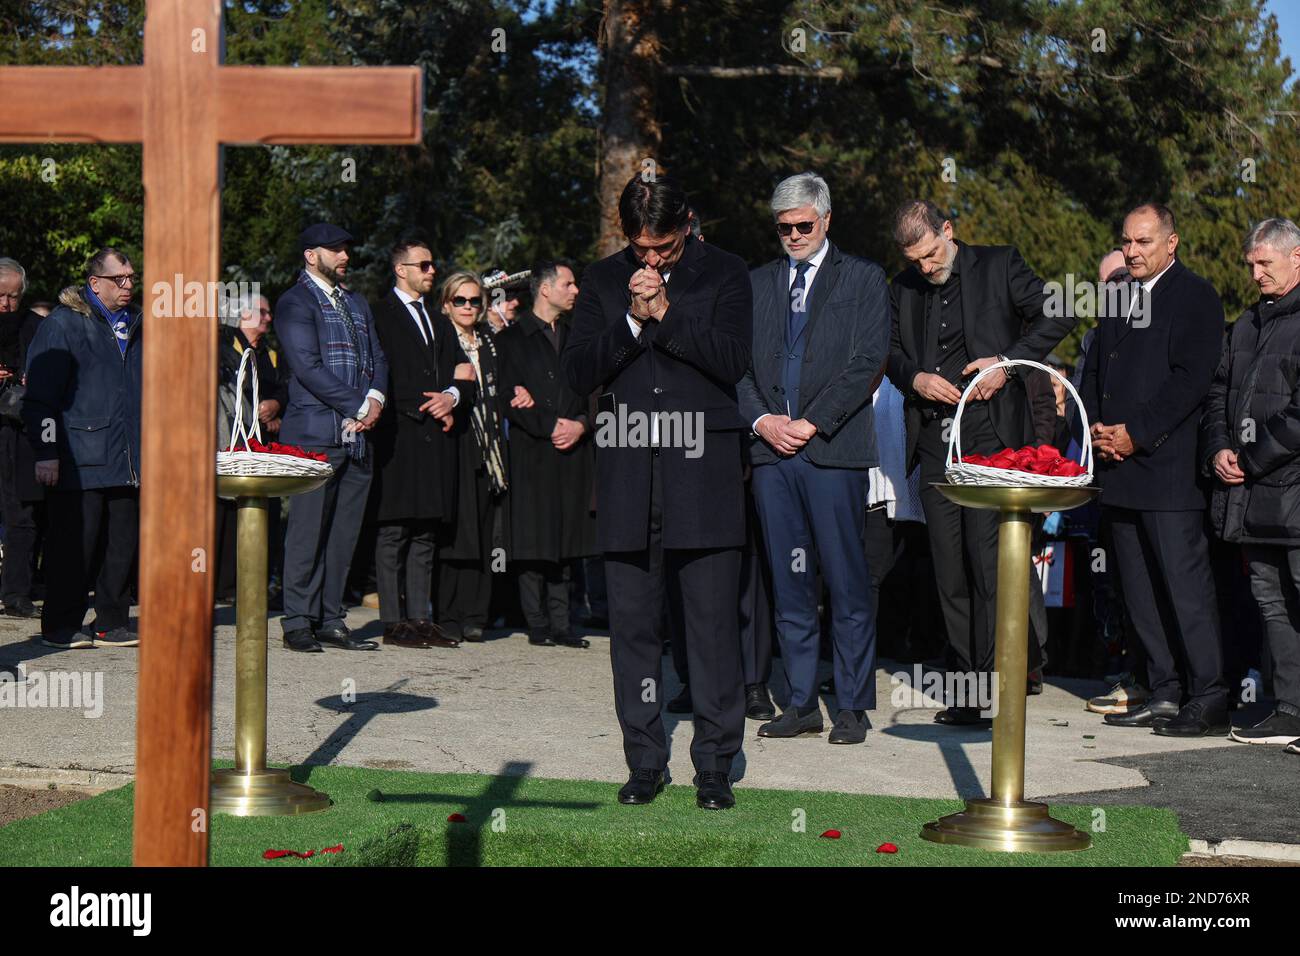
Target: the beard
(330, 273)
(942, 275)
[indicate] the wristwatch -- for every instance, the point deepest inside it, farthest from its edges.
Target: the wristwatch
(1011, 370)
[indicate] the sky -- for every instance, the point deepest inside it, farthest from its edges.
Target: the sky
(1288, 29)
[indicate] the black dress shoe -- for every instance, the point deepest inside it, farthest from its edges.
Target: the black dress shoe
(642, 786)
(302, 640)
(790, 724)
(713, 790)
(1195, 720)
(540, 637)
(1153, 714)
(962, 717)
(569, 640)
(342, 637)
(758, 702)
(681, 704)
(433, 635)
(21, 608)
(849, 728)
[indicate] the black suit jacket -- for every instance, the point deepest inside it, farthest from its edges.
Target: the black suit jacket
(688, 364)
(1153, 379)
(416, 461)
(845, 345)
(1002, 314)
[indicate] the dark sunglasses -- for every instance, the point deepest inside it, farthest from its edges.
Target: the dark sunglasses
(785, 228)
(461, 301)
(121, 281)
(426, 265)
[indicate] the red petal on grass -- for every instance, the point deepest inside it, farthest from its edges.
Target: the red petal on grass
(886, 848)
(832, 834)
(456, 818)
(333, 849)
(276, 854)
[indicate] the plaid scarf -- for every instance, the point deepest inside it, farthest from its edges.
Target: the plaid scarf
(346, 346)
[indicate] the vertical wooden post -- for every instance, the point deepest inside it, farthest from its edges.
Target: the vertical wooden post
(182, 230)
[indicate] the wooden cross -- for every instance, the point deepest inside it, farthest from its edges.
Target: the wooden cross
(181, 105)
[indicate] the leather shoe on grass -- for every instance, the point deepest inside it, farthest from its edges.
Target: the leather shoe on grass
(641, 787)
(1196, 720)
(1152, 714)
(713, 791)
(850, 728)
(790, 724)
(302, 640)
(342, 637)
(433, 635)
(758, 702)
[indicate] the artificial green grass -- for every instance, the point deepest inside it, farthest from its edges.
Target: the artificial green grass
(527, 821)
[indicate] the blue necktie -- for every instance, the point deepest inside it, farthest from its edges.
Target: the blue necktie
(798, 306)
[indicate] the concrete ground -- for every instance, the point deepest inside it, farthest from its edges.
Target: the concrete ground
(507, 706)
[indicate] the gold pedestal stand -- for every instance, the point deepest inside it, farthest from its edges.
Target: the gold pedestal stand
(1005, 820)
(250, 789)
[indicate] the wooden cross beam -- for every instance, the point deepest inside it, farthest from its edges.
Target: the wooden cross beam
(181, 105)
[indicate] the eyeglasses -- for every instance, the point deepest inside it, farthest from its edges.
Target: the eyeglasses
(785, 228)
(121, 281)
(461, 301)
(426, 265)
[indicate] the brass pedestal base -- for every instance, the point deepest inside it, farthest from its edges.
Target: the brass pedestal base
(263, 793)
(1023, 827)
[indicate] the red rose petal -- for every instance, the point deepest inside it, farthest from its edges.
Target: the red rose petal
(886, 848)
(456, 818)
(832, 834)
(333, 849)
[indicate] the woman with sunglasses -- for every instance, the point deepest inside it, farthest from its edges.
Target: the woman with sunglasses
(481, 525)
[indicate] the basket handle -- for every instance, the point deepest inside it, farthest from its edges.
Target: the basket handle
(954, 440)
(239, 429)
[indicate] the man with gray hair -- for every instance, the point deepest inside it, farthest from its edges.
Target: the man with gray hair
(1250, 442)
(821, 335)
(21, 498)
(958, 310)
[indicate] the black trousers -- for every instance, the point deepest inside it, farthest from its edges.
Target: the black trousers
(544, 595)
(757, 613)
(703, 583)
(318, 544)
(963, 546)
(1163, 560)
(89, 531)
(404, 570)
(22, 523)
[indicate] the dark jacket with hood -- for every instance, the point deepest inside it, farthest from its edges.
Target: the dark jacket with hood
(83, 396)
(1253, 408)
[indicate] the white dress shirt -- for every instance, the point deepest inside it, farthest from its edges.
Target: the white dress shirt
(1147, 286)
(374, 393)
(406, 300)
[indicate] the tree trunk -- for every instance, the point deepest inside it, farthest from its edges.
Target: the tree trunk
(630, 136)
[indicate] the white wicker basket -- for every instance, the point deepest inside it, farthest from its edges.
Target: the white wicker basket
(260, 463)
(959, 472)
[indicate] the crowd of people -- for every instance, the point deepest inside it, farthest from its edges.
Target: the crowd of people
(482, 465)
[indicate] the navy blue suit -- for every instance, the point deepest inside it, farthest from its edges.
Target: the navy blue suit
(323, 525)
(820, 364)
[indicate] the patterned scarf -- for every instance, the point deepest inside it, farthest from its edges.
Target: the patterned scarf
(483, 417)
(118, 322)
(347, 346)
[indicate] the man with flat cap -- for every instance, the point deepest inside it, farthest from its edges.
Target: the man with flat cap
(337, 377)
